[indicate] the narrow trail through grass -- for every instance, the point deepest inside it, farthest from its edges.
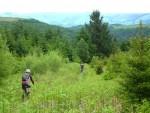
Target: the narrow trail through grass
(64, 91)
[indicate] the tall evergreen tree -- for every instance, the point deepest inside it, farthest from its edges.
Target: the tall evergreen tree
(137, 79)
(100, 38)
(140, 29)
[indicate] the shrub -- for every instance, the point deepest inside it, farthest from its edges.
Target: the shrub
(108, 109)
(99, 69)
(6, 60)
(144, 107)
(116, 66)
(109, 76)
(40, 64)
(97, 64)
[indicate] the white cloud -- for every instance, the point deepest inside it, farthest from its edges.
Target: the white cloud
(105, 6)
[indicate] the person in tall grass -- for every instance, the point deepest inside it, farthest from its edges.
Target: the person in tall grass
(81, 67)
(26, 78)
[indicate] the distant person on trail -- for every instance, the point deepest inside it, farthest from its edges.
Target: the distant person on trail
(81, 67)
(26, 78)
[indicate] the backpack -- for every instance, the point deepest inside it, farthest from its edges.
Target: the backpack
(25, 77)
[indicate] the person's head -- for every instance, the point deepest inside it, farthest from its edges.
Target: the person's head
(28, 71)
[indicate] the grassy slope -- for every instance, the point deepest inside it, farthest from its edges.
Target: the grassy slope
(64, 91)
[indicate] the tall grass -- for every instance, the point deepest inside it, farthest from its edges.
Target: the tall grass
(60, 88)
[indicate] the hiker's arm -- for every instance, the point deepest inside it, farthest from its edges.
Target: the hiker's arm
(31, 79)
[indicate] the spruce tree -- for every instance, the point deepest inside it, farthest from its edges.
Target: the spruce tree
(100, 38)
(137, 79)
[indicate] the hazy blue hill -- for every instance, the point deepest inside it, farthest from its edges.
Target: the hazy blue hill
(75, 19)
(126, 18)
(61, 19)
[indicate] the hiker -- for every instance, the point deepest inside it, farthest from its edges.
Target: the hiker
(81, 67)
(26, 78)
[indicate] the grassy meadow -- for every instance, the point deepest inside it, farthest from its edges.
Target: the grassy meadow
(60, 88)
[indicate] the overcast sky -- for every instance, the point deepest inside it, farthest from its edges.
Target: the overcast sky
(104, 6)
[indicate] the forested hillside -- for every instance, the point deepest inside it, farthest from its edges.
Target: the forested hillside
(119, 31)
(95, 68)
(9, 22)
(124, 32)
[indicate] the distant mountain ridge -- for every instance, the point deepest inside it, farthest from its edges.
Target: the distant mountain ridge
(75, 19)
(119, 31)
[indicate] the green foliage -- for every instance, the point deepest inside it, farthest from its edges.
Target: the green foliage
(82, 50)
(138, 76)
(100, 38)
(49, 34)
(98, 64)
(6, 60)
(22, 35)
(83, 34)
(108, 109)
(41, 64)
(116, 66)
(22, 47)
(125, 46)
(125, 32)
(144, 107)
